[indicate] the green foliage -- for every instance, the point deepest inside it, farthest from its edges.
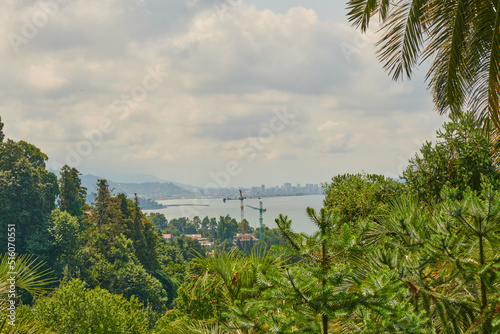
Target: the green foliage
(460, 156)
(29, 276)
(114, 266)
(116, 216)
(149, 204)
(27, 195)
(446, 256)
(226, 228)
(74, 309)
(26, 323)
(2, 135)
(144, 238)
(208, 228)
(316, 284)
(64, 241)
(72, 195)
(360, 196)
(120, 248)
(179, 226)
(224, 289)
(171, 258)
(103, 205)
(188, 247)
(158, 219)
(270, 237)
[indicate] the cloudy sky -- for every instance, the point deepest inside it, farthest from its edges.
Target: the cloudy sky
(233, 92)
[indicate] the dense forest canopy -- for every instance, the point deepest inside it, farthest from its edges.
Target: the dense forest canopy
(412, 256)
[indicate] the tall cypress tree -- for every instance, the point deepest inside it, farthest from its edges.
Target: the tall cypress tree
(103, 203)
(2, 136)
(72, 195)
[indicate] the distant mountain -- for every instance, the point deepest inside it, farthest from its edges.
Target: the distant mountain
(135, 178)
(118, 177)
(154, 190)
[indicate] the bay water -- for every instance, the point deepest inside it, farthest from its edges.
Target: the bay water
(292, 206)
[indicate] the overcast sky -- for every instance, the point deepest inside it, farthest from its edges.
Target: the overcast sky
(238, 93)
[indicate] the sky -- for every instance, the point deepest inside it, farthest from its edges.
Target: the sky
(227, 92)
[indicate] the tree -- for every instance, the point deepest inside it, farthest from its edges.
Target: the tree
(65, 238)
(446, 256)
(2, 136)
(226, 228)
(462, 38)
(127, 278)
(360, 196)
(158, 219)
(224, 289)
(335, 281)
(460, 156)
(144, 238)
(72, 194)
(75, 309)
(317, 249)
(27, 195)
(188, 247)
(30, 277)
(103, 203)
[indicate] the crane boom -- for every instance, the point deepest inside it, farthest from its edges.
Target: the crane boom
(241, 198)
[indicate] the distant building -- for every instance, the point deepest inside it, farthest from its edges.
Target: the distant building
(246, 237)
(205, 242)
(194, 236)
(166, 236)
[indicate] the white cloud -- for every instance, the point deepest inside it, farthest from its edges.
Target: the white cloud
(226, 75)
(328, 125)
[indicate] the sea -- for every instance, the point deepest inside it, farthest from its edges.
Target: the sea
(292, 206)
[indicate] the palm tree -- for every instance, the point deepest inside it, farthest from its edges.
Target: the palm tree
(30, 276)
(460, 37)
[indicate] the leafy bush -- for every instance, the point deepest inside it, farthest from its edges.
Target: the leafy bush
(359, 196)
(129, 279)
(460, 156)
(74, 309)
